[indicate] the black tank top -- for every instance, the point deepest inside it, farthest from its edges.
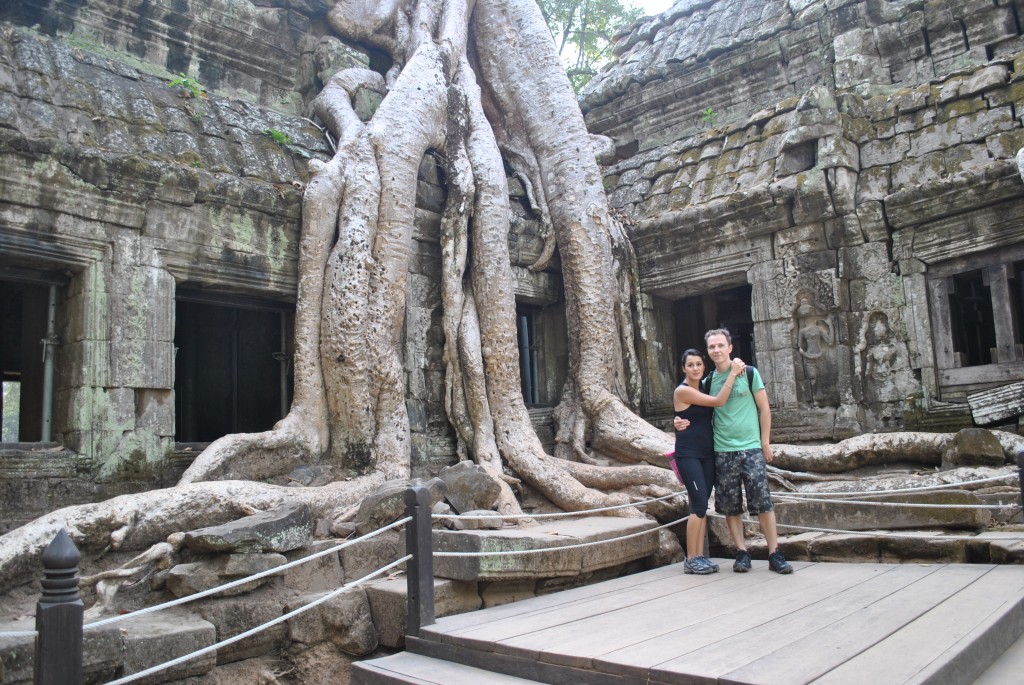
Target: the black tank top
(697, 441)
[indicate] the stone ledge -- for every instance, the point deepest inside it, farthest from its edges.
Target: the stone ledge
(553, 534)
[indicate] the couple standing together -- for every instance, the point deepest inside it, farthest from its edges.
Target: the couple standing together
(723, 425)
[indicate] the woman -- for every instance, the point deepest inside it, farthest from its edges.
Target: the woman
(695, 452)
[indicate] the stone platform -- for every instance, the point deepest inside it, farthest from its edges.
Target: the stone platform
(825, 623)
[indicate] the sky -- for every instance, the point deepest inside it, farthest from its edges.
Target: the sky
(652, 7)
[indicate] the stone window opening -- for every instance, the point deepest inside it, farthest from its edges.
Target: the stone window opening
(232, 367)
(29, 347)
(977, 311)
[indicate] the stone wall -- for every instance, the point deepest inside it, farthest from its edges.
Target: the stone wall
(847, 161)
(128, 193)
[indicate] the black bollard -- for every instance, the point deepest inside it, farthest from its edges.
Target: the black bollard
(420, 569)
(58, 658)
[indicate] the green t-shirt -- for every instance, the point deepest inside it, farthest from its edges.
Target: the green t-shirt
(737, 426)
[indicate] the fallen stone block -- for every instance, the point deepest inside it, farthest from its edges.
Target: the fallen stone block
(101, 658)
(280, 529)
(235, 615)
(322, 574)
(367, 556)
(469, 487)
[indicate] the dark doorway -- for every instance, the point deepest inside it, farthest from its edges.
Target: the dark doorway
(233, 371)
(529, 353)
(972, 320)
(730, 308)
(24, 310)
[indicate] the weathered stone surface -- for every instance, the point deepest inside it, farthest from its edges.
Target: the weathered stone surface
(836, 514)
(235, 615)
(469, 487)
(389, 605)
(549, 535)
(387, 504)
(973, 447)
(188, 579)
(344, 620)
(317, 575)
(366, 556)
(280, 529)
(155, 638)
(484, 519)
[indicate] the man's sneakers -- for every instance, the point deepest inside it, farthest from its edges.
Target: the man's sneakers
(700, 566)
(778, 563)
(742, 563)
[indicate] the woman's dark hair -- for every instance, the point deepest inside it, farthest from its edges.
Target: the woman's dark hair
(691, 353)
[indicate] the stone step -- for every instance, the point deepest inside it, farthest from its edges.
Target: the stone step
(406, 667)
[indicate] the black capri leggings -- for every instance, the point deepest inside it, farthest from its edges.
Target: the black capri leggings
(698, 476)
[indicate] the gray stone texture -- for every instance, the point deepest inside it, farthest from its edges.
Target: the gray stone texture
(825, 148)
(281, 529)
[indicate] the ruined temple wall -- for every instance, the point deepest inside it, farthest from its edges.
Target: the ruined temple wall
(844, 202)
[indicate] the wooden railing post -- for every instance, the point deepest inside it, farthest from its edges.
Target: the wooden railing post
(419, 569)
(1020, 475)
(58, 656)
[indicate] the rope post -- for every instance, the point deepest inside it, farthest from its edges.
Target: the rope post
(420, 569)
(58, 656)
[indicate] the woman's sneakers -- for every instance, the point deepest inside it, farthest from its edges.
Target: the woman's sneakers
(700, 566)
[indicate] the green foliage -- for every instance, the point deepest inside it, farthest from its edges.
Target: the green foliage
(189, 87)
(284, 141)
(583, 31)
(708, 117)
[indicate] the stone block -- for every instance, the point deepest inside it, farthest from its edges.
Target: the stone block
(317, 575)
(548, 535)
(235, 615)
(888, 515)
(469, 487)
(973, 447)
(389, 605)
(366, 556)
(156, 638)
(188, 579)
(345, 620)
(280, 529)
(498, 593)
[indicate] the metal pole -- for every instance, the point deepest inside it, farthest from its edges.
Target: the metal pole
(58, 656)
(49, 343)
(420, 569)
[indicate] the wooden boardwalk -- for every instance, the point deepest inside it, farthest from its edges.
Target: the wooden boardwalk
(825, 623)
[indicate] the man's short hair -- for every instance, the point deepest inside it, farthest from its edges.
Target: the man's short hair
(718, 331)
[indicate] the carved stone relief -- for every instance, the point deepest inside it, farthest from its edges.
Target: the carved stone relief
(816, 347)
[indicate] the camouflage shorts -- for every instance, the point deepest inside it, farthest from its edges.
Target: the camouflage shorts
(746, 469)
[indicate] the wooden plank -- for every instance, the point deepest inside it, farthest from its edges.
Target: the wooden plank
(1002, 403)
(715, 652)
(936, 641)
(415, 669)
(810, 657)
(981, 375)
(577, 642)
(643, 659)
(453, 625)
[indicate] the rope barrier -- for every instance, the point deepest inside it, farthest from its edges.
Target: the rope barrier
(559, 514)
(242, 581)
(517, 552)
(875, 503)
(253, 631)
(17, 633)
(926, 488)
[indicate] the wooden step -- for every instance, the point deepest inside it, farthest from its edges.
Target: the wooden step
(416, 669)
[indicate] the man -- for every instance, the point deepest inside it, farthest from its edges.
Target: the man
(742, 431)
